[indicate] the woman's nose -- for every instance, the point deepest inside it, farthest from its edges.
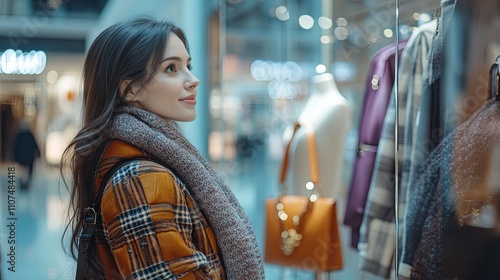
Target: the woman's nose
(192, 82)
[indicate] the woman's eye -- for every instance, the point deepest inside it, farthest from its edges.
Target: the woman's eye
(170, 68)
(190, 67)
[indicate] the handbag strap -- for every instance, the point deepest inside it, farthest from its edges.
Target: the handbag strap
(291, 236)
(90, 215)
(312, 155)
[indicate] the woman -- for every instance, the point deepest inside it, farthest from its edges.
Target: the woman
(167, 214)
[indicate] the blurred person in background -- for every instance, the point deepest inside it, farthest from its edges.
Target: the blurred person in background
(166, 214)
(25, 152)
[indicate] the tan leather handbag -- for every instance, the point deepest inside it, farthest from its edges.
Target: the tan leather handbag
(302, 231)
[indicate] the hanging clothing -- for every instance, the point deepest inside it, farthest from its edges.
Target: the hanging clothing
(427, 134)
(454, 178)
(450, 192)
(377, 231)
(376, 99)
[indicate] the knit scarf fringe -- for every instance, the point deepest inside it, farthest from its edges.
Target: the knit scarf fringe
(233, 231)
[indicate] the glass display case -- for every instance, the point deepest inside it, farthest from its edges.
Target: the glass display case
(415, 73)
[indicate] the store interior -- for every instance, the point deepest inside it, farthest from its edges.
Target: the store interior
(261, 64)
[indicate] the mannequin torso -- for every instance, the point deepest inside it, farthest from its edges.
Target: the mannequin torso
(327, 111)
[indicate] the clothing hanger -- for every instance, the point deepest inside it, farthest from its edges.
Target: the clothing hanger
(495, 80)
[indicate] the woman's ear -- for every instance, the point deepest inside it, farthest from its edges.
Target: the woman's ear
(127, 91)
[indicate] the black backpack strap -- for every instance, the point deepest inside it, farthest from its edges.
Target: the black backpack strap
(90, 215)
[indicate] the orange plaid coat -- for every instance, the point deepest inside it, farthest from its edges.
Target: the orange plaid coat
(151, 226)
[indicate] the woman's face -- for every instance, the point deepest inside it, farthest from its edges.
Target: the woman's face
(171, 94)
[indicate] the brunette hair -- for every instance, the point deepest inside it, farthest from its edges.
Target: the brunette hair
(129, 51)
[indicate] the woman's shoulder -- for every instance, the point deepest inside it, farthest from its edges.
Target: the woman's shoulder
(139, 166)
(138, 183)
(133, 162)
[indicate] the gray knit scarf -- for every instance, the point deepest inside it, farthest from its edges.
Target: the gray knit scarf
(233, 231)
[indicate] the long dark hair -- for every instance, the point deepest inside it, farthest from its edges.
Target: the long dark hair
(127, 51)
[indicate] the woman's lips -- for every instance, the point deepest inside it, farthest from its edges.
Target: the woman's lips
(190, 100)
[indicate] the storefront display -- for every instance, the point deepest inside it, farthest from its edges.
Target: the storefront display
(438, 83)
(402, 96)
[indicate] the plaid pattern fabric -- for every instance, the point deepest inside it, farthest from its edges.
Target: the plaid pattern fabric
(378, 228)
(152, 226)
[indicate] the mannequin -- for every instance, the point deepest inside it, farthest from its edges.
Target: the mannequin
(328, 112)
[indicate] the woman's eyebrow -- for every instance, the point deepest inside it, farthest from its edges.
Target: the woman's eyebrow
(174, 58)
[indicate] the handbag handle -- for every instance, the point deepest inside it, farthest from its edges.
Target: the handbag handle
(291, 236)
(312, 155)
